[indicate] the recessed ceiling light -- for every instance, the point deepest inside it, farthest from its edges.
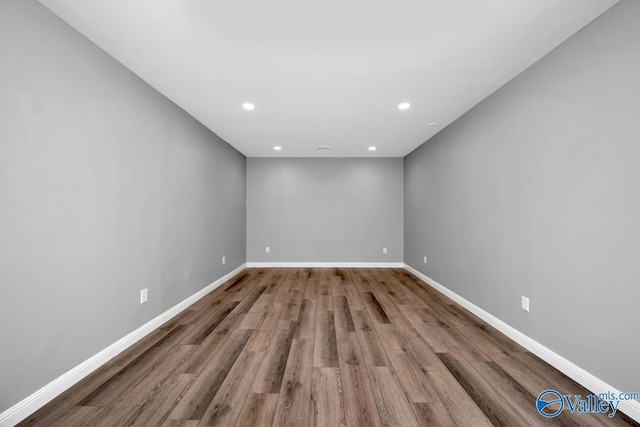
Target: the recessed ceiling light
(248, 106)
(403, 106)
(372, 148)
(277, 148)
(431, 124)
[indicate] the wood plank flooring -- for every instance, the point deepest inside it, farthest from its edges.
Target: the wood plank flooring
(319, 347)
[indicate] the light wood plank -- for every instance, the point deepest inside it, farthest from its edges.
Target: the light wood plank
(326, 398)
(293, 404)
(393, 406)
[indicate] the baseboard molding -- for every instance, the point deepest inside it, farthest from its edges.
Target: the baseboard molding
(326, 264)
(579, 375)
(32, 403)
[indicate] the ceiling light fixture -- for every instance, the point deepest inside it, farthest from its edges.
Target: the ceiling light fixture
(248, 106)
(403, 106)
(372, 148)
(277, 148)
(431, 124)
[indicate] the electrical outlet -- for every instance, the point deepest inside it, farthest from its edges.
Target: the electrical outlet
(384, 251)
(425, 259)
(224, 259)
(144, 295)
(267, 249)
(525, 303)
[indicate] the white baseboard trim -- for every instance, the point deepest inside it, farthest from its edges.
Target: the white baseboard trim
(579, 375)
(326, 264)
(32, 403)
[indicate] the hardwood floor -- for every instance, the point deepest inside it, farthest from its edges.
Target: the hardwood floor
(319, 347)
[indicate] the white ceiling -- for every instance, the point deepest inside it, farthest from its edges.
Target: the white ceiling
(328, 72)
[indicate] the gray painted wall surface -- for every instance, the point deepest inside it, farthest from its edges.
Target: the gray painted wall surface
(535, 192)
(324, 209)
(106, 187)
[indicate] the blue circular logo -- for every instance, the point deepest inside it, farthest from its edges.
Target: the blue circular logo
(550, 403)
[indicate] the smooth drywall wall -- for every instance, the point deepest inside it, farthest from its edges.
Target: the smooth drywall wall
(534, 192)
(324, 209)
(106, 188)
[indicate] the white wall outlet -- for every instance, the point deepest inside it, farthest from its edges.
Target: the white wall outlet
(425, 259)
(384, 251)
(267, 249)
(224, 259)
(144, 295)
(525, 303)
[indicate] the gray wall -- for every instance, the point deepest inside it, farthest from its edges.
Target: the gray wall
(324, 209)
(106, 187)
(535, 192)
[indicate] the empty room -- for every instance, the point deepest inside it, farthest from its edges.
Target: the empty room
(337, 213)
